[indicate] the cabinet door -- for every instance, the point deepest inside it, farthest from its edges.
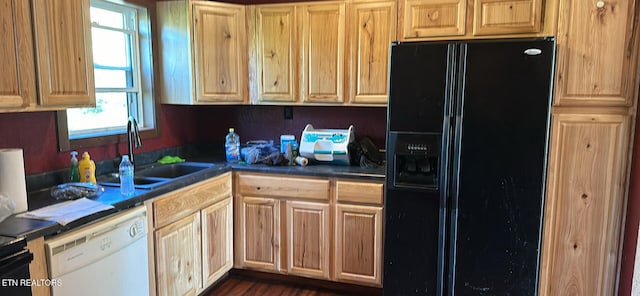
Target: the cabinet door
(177, 248)
(220, 52)
(217, 240)
(308, 239)
(431, 18)
(507, 16)
(323, 29)
(372, 28)
(63, 53)
(358, 244)
(584, 205)
(277, 73)
(260, 233)
(17, 82)
(597, 53)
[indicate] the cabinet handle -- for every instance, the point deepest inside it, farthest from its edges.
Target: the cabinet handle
(600, 4)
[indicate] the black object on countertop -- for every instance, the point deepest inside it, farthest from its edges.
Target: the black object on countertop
(467, 148)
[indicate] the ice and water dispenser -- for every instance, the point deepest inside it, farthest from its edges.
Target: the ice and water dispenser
(416, 160)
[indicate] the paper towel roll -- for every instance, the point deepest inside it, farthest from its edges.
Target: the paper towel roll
(12, 178)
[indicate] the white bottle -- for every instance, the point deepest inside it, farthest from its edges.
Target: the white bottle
(232, 146)
(126, 176)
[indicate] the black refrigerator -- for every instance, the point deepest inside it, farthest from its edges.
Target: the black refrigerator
(467, 134)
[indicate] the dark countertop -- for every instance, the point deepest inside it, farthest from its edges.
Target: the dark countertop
(32, 228)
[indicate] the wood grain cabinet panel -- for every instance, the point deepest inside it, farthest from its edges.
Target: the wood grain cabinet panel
(323, 52)
(308, 229)
(358, 244)
(177, 248)
(17, 82)
(217, 240)
(431, 18)
(260, 233)
(64, 53)
(371, 29)
(507, 16)
(277, 45)
(597, 53)
(584, 204)
(219, 52)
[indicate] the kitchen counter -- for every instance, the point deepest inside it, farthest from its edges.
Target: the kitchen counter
(32, 228)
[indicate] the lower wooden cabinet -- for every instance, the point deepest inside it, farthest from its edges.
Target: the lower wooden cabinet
(308, 226)
(259, 233)
(585, 203)
(192, 237)
(308, 233)
(178, 257)
(358, 244)
(217, 240)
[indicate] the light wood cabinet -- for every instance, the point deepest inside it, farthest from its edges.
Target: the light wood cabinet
(323, 52)
(64, 55)
(276, 53)
(259, 233)
(431, 18)
(38, 268)
(203, 52)
(17, 82)
(371, 27)
(460, 19)
(308, 233)
(177, 259)
(192, 232)
(597, 53)
(585, 204)
(309, 226)
(217, 241)
(358, 236)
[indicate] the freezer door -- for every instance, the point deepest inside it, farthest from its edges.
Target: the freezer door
(498, 183)
(417, 92)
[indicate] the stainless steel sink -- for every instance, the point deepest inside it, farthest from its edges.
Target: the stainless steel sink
(113, 180)
(172, 171)
(156, 175)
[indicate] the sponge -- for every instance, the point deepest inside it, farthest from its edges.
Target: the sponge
(170, 159)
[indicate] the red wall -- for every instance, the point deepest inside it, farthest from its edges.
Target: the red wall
(35, 132)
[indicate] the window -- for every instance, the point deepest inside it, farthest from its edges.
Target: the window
(122, 60)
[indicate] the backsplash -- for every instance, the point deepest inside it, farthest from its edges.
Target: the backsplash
(35, 132)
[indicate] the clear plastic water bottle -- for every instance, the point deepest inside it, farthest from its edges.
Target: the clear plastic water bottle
(126, 176)
(232, 146)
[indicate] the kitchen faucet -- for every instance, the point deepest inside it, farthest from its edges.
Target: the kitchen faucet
(136, 136)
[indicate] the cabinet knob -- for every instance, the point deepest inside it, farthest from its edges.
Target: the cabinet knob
(600, 4)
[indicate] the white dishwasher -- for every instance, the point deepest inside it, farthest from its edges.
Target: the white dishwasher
(104, 258)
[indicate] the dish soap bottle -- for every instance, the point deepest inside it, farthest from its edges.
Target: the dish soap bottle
(232, 146)
(74, 173)
(126, 176)
(87, 169)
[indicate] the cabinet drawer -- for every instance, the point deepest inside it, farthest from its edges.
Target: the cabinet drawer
(180, 203)
(359, 192)
(283, 187)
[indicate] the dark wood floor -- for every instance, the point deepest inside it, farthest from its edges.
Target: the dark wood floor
(234, 286)
(240, 282)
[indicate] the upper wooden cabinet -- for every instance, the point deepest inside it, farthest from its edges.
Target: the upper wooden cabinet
(63, 53)
(49, 41)
(276, 53)
(17, 82)
(322, 48)
(371, 27)
(321, 52)
(597, 53)
(202, 52)
(465, 19)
